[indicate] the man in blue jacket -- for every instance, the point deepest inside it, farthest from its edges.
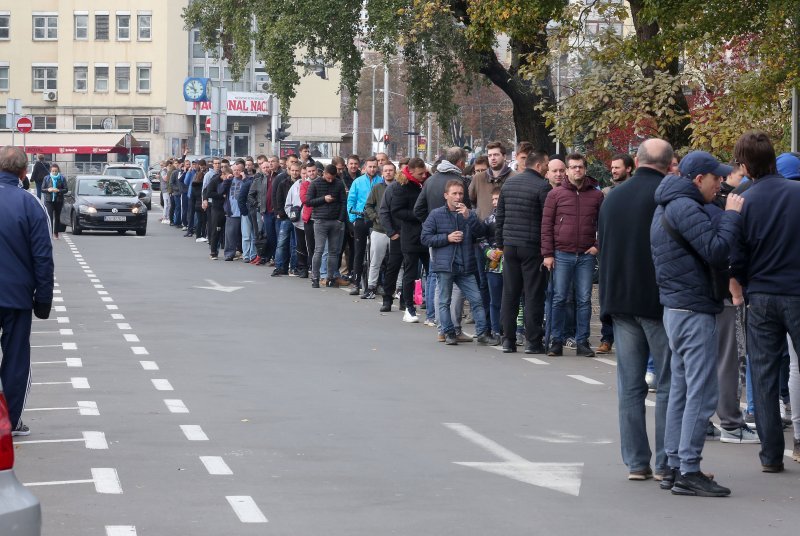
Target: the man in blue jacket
(686, 248)
(451, 231)
(356, 199)
(766, 263)
(26, 279)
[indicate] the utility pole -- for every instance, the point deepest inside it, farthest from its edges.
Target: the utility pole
(385, 101)
(795, 119)
(429, 145)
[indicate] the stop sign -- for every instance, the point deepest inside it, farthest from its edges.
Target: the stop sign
(24, 124)
(208, 125)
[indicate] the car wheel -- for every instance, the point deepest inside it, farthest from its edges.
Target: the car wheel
(141, 232)
(121, 231)
(76, 228)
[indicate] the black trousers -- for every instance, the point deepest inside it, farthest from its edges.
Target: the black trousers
(54, 212)
(309, 238)
(394, 260)
(15, 368)
(348, 246)
(201, 229)
(523, 273)
(361, 229)
(216, 230)
(411, 273)
(301, 248)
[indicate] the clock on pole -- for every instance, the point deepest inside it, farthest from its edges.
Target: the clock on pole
(196, 89)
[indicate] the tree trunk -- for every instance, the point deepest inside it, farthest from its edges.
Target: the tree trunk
(529, 122)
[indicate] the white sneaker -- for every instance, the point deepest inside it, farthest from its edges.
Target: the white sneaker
(430, 323)
(650, 378)
(203, 239)
(411, 319)
(745, 434)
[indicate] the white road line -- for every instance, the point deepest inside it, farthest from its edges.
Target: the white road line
(94, 280)
(139, 350)
(69, 346)
(176, 406)
(130, 337)
(149, 365)
(245, 508)
(70, 362)
(106, 480)
(117, 316)
(787, 453)
(215, 465)
(57, 483)
(59, 309)
(107, 299)
(95, 440)
(102, 292)
(584, 379)
(79, 383)
(123, 325)
(87, 407)
(45, 346)
(99, 286)
(65, 331)
(162, 384)
(606, 361)
(112, 307)
(649, 403)
(120, 530)
(193, 432)
(535, 361)
(58, 299)
(56, 291)
(63, 319)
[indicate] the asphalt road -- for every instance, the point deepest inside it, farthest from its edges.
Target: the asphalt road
(279, 409)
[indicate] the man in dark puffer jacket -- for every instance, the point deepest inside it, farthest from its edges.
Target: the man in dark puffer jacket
(519, 234)
(690, 309)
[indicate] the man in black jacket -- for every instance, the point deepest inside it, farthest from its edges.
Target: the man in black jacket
(40, 171)
(518, 233)
(629, 296)
(329, 202)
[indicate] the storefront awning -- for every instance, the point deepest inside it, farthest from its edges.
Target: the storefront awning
(73, 142)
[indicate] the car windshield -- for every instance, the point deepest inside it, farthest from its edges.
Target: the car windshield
(105, 187)
(127, 172)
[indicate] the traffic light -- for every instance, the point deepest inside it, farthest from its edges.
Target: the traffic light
(385, 138)
(282, 133)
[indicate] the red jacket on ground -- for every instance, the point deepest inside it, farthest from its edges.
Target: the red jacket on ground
(569, 223)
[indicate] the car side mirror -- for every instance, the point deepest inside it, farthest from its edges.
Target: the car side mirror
(142, 195)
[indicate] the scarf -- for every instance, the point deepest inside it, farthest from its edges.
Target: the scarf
(501, 175)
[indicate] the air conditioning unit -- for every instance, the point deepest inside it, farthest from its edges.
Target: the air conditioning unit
(50, 95)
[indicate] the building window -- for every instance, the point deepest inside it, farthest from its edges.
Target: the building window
(101, 27)
(198, 71)
(144, 24)
(123, 27)
(4, 82)
(197, 47)
(5, 26)
(213, 73)
(44, 122)
(92, 122)
(45, 27)
(101, 79)
(81, 79)
(81, 27)
(143, 79)
(122, 74)
(45, 78)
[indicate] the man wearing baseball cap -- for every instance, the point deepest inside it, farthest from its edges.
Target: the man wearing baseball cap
(687, 247)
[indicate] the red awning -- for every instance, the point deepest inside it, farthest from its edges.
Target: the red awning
(72, 142)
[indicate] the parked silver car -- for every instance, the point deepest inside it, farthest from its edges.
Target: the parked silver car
(136, 177)
(20, 511)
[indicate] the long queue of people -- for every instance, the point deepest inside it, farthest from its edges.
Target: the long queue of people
(679, 252)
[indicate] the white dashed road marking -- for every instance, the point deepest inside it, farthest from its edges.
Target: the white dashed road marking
(93, 440)
(117, 316)
(120, 530)
(123, 325)
(215, 465)
(106, 480)
(193, 432)
(112, 307)
(65, 331)
(70, 362)
(63, 319)
(149, 365)
(176, 406)
(69, 346)
(88, 407)
(649, 403)
(139, 350)
(162, 385)
(584, 379)
(130, 337)
(245, 508)
(535, 361)
(606, 361)
(59, 308)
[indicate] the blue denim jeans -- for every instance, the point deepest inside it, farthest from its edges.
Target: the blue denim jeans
(248, 239)
(469, 286)
(176, 210)
(694, 391)
(282, 250)
(635, 338)
(268, 230)
(430, 297)
(572, 271)
(770, 317)
(495, 283)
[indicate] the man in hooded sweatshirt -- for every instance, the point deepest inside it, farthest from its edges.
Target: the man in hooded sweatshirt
(686, 246)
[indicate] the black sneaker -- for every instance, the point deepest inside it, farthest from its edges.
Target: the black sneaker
(21, 430)
(556, 349)
(488, 339)
(450, 339)
(584, 350)
(303, 274)
(369, 294)
(509, 347)
(355, 291)
(669, 477)
(534, 348)
(277, 272)
(698, 484)
(315, 283)
(387, 306)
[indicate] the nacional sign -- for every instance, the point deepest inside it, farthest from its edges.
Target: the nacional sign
(240, 104)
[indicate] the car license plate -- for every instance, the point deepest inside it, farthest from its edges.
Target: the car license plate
(115, 218)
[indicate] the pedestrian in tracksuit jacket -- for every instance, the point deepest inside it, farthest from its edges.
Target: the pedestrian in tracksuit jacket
(26, 279)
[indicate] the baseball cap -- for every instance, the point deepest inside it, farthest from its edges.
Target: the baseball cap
(789, 166)
(700, 162)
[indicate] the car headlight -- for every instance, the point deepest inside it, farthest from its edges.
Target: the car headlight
(137, 209)
(87, 209)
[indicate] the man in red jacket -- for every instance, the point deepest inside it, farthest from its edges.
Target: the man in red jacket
(569, 247)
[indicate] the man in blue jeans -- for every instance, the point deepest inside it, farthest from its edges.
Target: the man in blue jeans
(451, 231)
(569, 246)
(687, 247)
(766, 264)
